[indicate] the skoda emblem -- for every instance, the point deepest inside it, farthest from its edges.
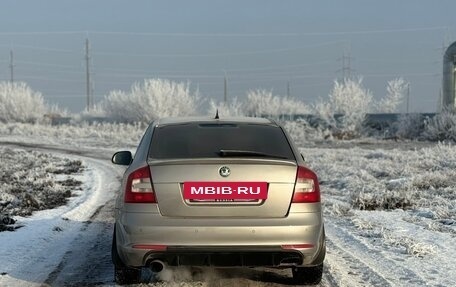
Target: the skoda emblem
(224, 171)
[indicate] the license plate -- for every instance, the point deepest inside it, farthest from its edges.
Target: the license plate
(225, 191)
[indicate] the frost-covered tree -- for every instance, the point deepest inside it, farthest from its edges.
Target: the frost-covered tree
(263, 103)
(233, 108)
(410, 126)
(395, 91)
(441, 127)
(152, 99)
(325, 112)
(97, 110)
(293, 106)
(57, 110)
(19, 103)
(349, 101)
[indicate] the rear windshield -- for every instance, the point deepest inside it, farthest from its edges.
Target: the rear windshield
(203, 140)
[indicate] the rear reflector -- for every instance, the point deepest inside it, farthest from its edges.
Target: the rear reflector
(151, 247)
(139, 187)
(297, 246)
(307, 189)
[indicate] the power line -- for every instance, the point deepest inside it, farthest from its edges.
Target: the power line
(256, 52)
(50, 70)
(50, 79)
(397, 61)
(120, 75)
(69, 96)
(329, 83)
(281, 67)
(198, 76)
(120, 82)
(403, 75)
(39, 33)
(276, 79)
(279, 34)
(312, 76)
(149, 73)
(267, 68)
(283, 34)
(47, 49)
(48, 64)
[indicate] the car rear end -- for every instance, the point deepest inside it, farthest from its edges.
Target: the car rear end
(219, 193)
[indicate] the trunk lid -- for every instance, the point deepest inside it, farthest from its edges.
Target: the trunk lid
(169, 176)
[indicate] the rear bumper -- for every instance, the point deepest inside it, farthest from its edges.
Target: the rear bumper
(225, 256)
(221, 242)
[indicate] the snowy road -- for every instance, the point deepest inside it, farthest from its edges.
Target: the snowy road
(78, 253)
(69, 245)
(88, 260)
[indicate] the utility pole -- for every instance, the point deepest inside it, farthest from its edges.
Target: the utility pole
(346, 64)
(225, 90)
(88, 80)
(11, 66)
(444, 47)
(288, 89)
(92, 100)
(408, 97)
(440, 103)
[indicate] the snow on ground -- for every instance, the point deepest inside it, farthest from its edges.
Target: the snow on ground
(33, 180)
(83, 135)
(390, 214)
(30, 253)
(394, 210)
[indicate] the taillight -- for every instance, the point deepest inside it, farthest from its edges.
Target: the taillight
(139, 187)
(306, 189)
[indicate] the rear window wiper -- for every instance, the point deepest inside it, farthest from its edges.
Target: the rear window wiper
(247, 153)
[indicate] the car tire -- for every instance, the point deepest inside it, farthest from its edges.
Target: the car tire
(307, 275)
(123, 275)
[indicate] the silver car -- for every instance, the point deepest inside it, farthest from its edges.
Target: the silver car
(217, 192)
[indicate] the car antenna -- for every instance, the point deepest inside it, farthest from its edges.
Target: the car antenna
(216, 115)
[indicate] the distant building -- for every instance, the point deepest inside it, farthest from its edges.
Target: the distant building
(449, 73)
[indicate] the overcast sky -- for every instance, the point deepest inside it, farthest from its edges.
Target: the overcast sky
(257, 43)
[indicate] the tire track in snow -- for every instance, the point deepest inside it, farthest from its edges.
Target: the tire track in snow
(362, 264)
(70, 254)
(347, 270)
(88, 262)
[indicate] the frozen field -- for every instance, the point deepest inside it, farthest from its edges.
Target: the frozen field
(389, 210)
(33, 181)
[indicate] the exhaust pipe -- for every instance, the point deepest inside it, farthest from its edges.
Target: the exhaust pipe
(157, 266)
